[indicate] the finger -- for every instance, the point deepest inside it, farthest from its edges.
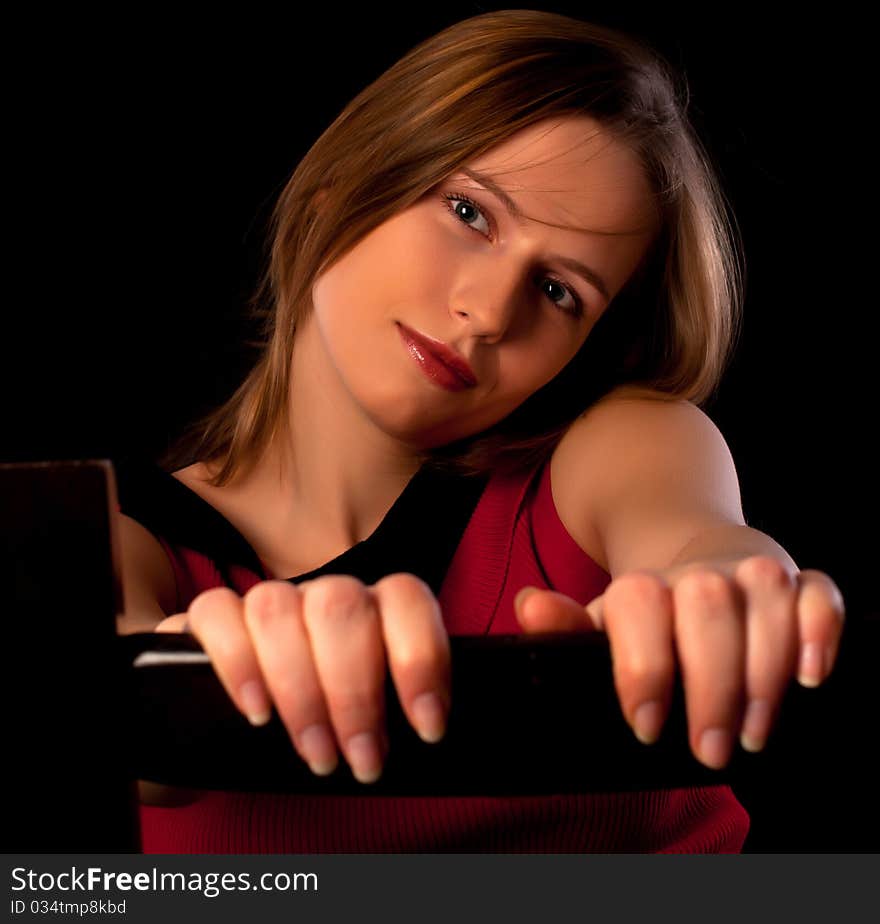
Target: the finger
(215, 619)
(417, 648)
(273, 616)
(176, 623)
(638, 621)
(540, 610)
(771, 643)
(711, 649)
(821, 615)
(346, 640)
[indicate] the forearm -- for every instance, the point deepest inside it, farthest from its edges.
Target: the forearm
(731, 543)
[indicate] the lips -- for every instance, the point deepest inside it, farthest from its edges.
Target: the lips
(439, 352)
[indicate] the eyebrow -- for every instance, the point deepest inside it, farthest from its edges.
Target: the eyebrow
(518, 215)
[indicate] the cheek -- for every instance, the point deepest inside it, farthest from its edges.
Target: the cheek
(392, 268)
(346, 283)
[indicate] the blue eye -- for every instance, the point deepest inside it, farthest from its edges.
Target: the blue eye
(575, 308)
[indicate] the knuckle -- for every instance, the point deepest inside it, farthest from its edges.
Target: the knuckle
(302, 707)
(822, 597)
(704, 588)
(403, 584)
(268, 600)
(355, 707)
(412, 659)
(207, 601)
(818, 608)
(642, 671)
(336, 595)
(639, 586)
(765, 571)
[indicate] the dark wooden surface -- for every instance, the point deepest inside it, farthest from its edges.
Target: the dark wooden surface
(530, 715)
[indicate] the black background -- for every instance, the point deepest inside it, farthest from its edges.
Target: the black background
(147, 152)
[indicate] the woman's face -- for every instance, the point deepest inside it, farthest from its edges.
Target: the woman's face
(499, 290)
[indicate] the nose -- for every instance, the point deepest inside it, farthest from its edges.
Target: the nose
(487, 297)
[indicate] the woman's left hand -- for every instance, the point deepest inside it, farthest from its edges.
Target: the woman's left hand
(738, 629)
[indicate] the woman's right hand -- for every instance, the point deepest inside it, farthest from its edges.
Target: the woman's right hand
(318, 651)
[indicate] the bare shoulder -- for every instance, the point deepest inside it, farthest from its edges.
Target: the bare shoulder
(148, 579)
(149, 586)
(616, 443)
(630, 406)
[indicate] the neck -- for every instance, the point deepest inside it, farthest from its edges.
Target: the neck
(332, 471)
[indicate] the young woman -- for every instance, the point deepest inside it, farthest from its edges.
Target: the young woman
(507, 264)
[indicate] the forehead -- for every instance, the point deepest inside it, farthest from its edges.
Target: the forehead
(570, 172)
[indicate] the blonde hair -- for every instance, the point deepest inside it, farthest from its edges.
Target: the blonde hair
(670, 332)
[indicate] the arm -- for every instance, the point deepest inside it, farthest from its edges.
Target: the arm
(148, 585)
(655, 484)
(149, 595)
(652, 485)
(317, 651)
(650, 477)
(732, 542)
(672, 496)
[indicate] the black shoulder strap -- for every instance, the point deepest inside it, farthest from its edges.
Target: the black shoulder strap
(171, 510)
(419, 534)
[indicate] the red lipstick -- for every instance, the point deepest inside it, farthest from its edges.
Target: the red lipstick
(438, 362)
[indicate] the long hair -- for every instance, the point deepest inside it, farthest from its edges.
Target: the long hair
(670, 332)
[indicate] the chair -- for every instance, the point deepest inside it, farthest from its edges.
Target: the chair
(93, 711)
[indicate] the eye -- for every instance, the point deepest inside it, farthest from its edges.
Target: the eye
(574, 306)
(450, 198)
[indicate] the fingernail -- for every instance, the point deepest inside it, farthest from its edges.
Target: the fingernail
(715, 747)
(756, 725)
(256, 705)
(319, 748)
(647, 721)
(429, 716)
(363, 755)
(810, 670)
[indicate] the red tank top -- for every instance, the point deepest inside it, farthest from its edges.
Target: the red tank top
(514, 538)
